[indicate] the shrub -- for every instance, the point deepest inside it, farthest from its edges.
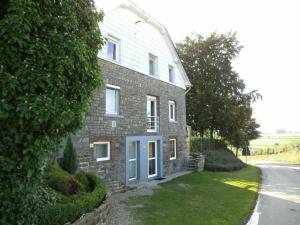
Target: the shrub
(69, 161)
(49, 70)
(94, 181)
(218, 158)
(82, 178)
(74, 186)
(61, 181)
(70, 209)
(206, 144)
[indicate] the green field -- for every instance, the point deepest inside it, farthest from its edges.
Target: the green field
(274, 143)
(206, 198)
(275, 147)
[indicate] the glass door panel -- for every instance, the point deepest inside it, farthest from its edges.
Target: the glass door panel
(132, 160)
(152, 159)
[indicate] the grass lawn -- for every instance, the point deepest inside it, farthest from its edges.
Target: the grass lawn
(207, 198)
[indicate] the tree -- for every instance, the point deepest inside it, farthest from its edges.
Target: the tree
(241, 128)
(69, 161)
(48, 72)
(217, 102)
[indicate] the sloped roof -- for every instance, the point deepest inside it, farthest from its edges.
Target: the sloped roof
(108, 5)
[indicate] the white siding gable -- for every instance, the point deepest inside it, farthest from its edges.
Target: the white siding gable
(137, 39)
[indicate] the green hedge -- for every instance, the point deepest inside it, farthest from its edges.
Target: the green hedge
(206, 144)
(217, 156)
(69, 209)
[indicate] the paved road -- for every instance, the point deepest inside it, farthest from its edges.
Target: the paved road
(279, 198)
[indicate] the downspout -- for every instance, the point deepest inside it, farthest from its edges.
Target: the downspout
(188, 89)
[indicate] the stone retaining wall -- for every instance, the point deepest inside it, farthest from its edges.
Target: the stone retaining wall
(99, 216)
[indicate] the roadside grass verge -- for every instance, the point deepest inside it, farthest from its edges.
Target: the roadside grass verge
(206, 198)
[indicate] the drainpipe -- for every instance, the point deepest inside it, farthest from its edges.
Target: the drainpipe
(188, 89)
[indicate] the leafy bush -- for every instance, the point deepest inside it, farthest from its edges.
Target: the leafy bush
(61, 181)
(49, 70)
(207, 144)
(69, 161)
(71, 208)
(82, 178)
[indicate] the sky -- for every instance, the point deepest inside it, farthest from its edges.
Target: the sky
(269, 31)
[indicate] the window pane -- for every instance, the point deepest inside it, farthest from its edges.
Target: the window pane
(152, 167)
(171, 74)
(172, 148)
(111, 50)
(132, 150)
(172, 111)
(112, 100)
(151, 67)
(101, 150)
(151, 153)
(132, 169)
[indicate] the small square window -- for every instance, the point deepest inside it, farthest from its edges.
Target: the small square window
(113, 49)
(112, 99)
(101, 151)
(171, 74)
(172, 111)
(153, 65)
(172, 143)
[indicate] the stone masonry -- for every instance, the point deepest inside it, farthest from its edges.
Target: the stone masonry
(134, 88)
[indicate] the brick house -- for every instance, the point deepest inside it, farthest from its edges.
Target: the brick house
(136, 125)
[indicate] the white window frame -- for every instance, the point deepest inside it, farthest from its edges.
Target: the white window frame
(171, 74)
(117, 100)
(108, 150)
(116, 42)
(155, 65)
(172, 103)
(134, 160)
(155, 158)
(154, 99)
(175, 155)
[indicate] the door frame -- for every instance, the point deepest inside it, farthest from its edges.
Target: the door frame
(155, 158)
(142, 158)
(136, 160)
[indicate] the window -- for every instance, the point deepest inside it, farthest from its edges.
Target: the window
(112, 99)
(171, 74)
(172, 143)
(101, 151)
(152, 65)
(113, 46)
(152, 118)
(172, 111)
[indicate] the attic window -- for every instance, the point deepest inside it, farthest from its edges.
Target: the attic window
(113, 49)
(153, 65)
(171, 74)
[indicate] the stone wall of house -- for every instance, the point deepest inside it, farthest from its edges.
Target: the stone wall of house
(134, 88)
(99, 216)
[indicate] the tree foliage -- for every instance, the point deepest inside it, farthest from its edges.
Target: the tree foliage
(69, 161)
(217, 102)
(48, 71)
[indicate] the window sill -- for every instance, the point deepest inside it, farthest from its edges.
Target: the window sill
(173, 159)
(173, 121)
(102, 159)
(113, 60)
(113, 115)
